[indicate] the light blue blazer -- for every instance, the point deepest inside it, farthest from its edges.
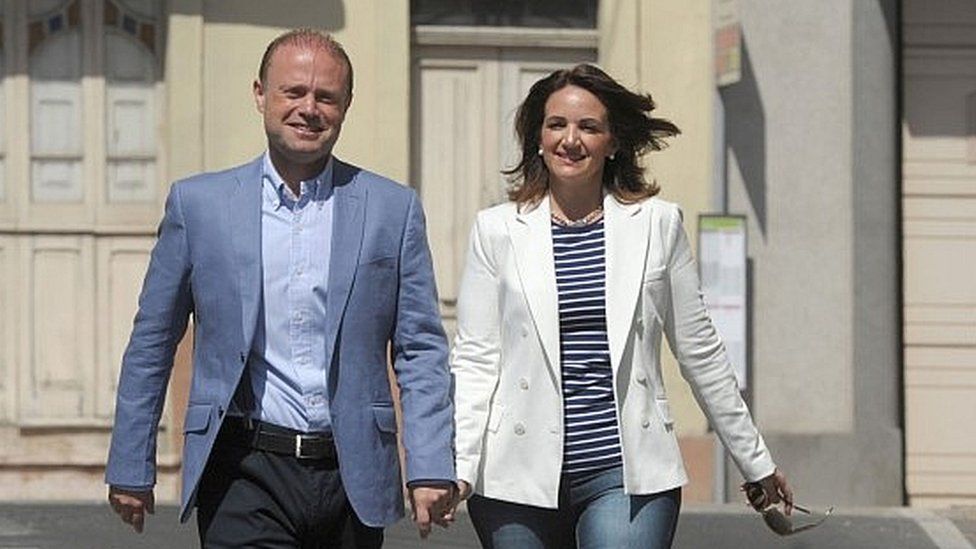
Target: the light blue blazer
(381, 305)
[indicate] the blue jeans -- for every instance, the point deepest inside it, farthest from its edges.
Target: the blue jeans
(594, 513)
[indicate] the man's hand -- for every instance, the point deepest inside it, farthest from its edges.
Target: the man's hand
(132, 506)
(431, 504)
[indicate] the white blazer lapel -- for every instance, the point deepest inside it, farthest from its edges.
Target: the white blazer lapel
(531, 237)
(626, 229)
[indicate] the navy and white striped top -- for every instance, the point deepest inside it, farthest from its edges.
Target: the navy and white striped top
(592, 441)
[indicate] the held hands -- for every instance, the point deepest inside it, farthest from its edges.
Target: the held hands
(441, 511)
(432, 504)
(462, 492)
(132, 506)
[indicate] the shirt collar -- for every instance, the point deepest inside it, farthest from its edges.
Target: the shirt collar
(319, 187)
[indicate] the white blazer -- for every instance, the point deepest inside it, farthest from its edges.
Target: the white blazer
(506, 363)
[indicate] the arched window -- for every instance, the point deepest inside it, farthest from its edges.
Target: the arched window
(55, 50)
(93, 140)
(130, 106)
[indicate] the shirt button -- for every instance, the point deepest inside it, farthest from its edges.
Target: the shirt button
(519, 429)
(524, 384)
(525, 332)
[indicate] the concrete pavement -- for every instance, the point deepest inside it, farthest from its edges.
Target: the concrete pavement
(90, 526)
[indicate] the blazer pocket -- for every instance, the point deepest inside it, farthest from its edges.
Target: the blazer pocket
(664, 410)
(656, 293)
(386, 262)
(385, 418)
(197, 418)
(495, 414)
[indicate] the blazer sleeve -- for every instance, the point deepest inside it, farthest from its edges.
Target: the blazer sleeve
(704, 362)
(477, 351)
(164, 307)
(420, 359)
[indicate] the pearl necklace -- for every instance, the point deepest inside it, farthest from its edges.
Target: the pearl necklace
(587, 219)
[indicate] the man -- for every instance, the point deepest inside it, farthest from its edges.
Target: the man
(304, 275)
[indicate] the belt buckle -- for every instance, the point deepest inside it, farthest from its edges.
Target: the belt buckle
(299, 439)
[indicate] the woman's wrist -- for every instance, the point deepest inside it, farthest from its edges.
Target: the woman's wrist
(464, 489)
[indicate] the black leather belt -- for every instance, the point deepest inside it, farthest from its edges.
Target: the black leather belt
(282, 440)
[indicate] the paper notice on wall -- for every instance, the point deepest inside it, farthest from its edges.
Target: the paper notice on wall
(723, 267)
(727, 39)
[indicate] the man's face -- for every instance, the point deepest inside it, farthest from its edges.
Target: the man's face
(303, 100)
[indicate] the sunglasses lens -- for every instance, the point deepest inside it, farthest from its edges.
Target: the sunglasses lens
(756, 495)
(783, 525)
(778, 522)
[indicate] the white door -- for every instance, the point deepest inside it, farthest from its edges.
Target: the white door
(464, 106)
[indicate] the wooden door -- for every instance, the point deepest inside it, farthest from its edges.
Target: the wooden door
(464, 106)
(939, 227)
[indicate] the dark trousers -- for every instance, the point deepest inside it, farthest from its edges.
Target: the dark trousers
(253, 498)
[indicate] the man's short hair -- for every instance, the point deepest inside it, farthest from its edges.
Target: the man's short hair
(309, 38)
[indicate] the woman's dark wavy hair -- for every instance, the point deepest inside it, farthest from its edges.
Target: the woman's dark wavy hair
(633, 128)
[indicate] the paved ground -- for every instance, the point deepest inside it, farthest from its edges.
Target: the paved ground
(86, 526)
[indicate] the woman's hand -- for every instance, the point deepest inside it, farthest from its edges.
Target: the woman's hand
(461, 493)
(777, 489)
(463, 490)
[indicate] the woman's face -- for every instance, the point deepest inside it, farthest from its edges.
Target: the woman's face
(576, 138)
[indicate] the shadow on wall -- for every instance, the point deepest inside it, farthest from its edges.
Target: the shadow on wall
(745, 135)
(932, 90)
(329, 15)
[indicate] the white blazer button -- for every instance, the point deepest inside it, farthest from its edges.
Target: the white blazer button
(645, 424)
(642, 379)
(519, 429)
(525, 332)
(640, 323)
(523, 384)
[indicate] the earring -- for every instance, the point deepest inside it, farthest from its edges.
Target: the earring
(540, 151)
(611, 157)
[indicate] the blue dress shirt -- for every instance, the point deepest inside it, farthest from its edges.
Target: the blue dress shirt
(287, 365)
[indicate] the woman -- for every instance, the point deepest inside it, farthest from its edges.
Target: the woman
(564, 434)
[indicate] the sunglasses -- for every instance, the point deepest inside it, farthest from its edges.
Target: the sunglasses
(776, 520)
